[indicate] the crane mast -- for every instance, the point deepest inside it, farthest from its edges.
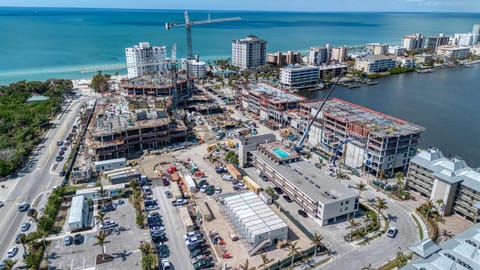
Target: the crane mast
(299, 146)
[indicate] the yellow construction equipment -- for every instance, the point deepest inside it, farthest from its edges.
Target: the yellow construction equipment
(211, 147)
(231, 144)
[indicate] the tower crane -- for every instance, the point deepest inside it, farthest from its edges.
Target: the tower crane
(299, 146)
(188, 27)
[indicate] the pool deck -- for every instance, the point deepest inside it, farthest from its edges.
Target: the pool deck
(270, 147)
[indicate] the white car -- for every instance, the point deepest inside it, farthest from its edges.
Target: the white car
(203, 189)
(191, 240)
(227, 177)
(166, 264)
(189, 235)
(12, 252)
(108, 224)
(392, 232)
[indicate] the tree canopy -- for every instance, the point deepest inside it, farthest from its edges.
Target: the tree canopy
(22, 124)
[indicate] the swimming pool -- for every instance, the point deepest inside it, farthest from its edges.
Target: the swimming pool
(280, 153)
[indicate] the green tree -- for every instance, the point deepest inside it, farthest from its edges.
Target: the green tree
(265, 261)
(316, 242)
(400, 260)
(246, 266)
(400, 179)
(352, 225)
(439, 204)
(140, 220)
(101, 237)
(366, 220)
(360, 187)
(270, 191)
(100, 218)
(292, 251)
(380, 205)
(99, 82)
(9, 263)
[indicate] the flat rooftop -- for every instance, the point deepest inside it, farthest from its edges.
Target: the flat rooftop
(278, 151)
(377, 123)
(310, 180)
(273, 94)
(149, 82)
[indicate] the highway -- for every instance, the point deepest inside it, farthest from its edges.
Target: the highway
(36, 179)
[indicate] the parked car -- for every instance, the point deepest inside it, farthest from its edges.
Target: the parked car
(203, 189)
(199, 251)
(31, 212)
(278, 190)
(12, 252)
(78, 239)
(162, 250)
(203, 264)
(59, 158)
(152, 207)
(67, 240)
(166, 265)
(59, 143)
(108, 208)
(218, 190)
(108, 225)
(147, 191)
(302, 213)
(25, 227)
(62, 173)
(165, 182)
(392, 232)
(179, 202)
(287, 198)
(23, 207)
(227, 177)
(168, 194)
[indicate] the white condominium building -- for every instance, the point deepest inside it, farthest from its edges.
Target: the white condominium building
(339, 54)
(466, 39)
(143, 59)
(377, 48)
(299, 76)
(374, 63)
(453, 51)
(413, 42)
(249, 53)
(195, 67)
(318, 56)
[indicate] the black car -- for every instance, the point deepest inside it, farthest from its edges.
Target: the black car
(199, 251)
(302, 213)
(78, 239)
(278, 190)
(288, 199)
(59, 158)
(31, 212)
(157, 238)
(162, 250)
(62, 173)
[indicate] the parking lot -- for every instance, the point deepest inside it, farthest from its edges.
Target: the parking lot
(122, 243)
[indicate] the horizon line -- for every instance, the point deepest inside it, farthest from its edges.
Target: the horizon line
(242, 10)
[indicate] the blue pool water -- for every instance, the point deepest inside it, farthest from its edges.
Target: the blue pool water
(279, 152)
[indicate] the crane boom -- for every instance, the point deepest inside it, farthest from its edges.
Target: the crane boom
(299, 146)
(188, 27)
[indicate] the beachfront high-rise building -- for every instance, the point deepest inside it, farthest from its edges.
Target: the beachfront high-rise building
(249, 52)
(377, 48)
(196, 68)
(476, 32)
(434, 41)
(282, 59)
(318, 55)
(464, 39)
(339, 54)
(143, 59)
(413, 42)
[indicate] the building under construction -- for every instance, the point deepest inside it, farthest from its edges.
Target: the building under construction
(358, 137)
(119, 131)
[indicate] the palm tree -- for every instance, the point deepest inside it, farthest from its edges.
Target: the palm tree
(270, 191)
(293, 250)
(24, 241)
(381, 204)
(440, 204)
(316, 241)
(102, 235)
(445, 235)
(400, 177)
(352, 226)
(100, 218)
(366, 219)
(246, 266)
(9, 263)
(427, 208)
(102, 193)
(360, 187)
(265, 261)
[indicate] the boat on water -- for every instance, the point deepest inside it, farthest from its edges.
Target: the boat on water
(371, 82)
(425, 70)
(354, 85)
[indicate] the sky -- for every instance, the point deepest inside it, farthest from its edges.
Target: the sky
(272, 5)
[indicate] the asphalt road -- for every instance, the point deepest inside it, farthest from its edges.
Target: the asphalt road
(37, 178)
(173, 224)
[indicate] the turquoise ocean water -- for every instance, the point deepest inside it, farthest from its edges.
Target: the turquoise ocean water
(39, 43)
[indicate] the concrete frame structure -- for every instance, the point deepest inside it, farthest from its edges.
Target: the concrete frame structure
(158, 87)
(254, 219)
(299, 77)
(369, 140)
(374, 63)
(117, 132)
(77, 218)
(460, 252)
(249, 53)
(436, 177)
(269, 102)
(317, 193)
(143, 59)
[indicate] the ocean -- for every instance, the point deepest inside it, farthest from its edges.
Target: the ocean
(41, 43)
